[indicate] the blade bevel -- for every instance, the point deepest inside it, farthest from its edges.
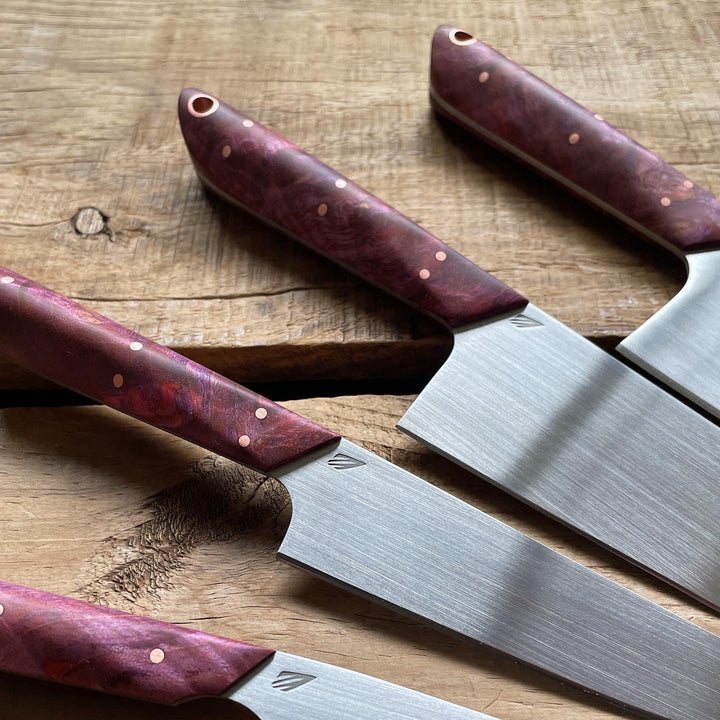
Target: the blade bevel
(560, 424)
(384, 533)
(680, 343)
(327, 692)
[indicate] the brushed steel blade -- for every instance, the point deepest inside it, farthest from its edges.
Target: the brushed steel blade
(541, 412)
(288, 687)
(383, 533)
(680, 344)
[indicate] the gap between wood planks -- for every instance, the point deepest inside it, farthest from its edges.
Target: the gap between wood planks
(278, 391)
(283, 391)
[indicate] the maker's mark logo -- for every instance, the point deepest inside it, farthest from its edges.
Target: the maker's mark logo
(340, 461)
(524, 321)
(287, 681)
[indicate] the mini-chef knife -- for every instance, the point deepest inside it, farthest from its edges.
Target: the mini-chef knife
(512, 109)
(522, 400)
(373, 528)
(56, 638)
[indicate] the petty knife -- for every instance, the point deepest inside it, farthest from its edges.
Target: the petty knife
(50, 637)
(375, 529)
(494, 98)
(523, 401)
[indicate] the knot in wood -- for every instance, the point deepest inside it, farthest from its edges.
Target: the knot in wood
(90, 221)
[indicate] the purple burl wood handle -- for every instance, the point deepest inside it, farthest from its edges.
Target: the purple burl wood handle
(86, 352)
(50, 637)
(494, 98)
(250, 165)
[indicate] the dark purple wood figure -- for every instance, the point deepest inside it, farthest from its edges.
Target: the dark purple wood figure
(50, 637)
(86, 352)
(253, 167)
(494, 98)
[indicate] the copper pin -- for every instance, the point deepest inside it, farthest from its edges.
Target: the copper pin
(202, 105)
(459, 37)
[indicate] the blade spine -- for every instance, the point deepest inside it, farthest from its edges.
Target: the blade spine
(681, 389)
(689, 377)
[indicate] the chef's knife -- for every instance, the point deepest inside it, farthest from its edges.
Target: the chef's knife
(522, 400)
(373, 528)
(512, 109)
(56, 638)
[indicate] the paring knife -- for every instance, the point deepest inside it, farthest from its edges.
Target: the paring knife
(494, 98)
(56, 638)
(522, 401)
(373, 528)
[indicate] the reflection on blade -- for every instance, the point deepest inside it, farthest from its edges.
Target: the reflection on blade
(560, 424)
(680, 344)
(288, 687)
(384, 533)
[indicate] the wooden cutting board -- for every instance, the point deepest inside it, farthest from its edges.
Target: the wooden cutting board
(89, 121)
(103, 508)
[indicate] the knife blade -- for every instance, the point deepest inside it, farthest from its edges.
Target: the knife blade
(371, 527)
(61, 639)
(522, 401)
(507, 106)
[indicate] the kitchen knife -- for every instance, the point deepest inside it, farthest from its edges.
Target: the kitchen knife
(56, 638)
(492, 97)
(522, 400)
(373, 528)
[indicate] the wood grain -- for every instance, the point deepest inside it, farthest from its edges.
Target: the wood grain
(89, 121)
(100, 507)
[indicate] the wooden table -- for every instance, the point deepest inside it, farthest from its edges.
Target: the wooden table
(99, 201)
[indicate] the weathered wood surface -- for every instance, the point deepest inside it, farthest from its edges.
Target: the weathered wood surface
(88, 120)
(98, 506)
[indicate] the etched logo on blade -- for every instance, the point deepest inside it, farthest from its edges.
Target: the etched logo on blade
(287, 681)
(344, 462)
(523, 321)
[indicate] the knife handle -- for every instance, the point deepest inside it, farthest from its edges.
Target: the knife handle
(50, 637)
(510, 108)
(251, 166)
(86, 352)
